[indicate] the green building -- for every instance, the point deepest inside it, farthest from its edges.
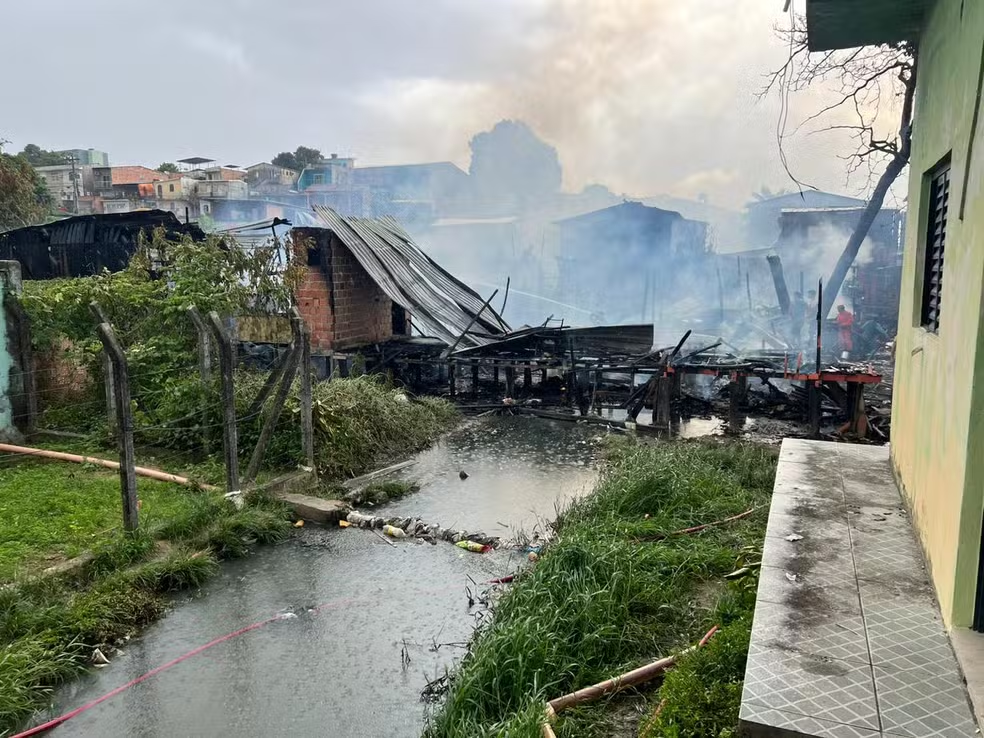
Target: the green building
(938, 405)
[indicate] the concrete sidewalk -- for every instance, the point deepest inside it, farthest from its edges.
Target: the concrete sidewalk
(847, 638)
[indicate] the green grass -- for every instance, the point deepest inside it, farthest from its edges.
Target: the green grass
(603, 599)
(49, 625)
(50, 512)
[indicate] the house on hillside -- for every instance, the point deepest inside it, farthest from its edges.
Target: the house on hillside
(762, 216)
(811, 240)
(412, 192)
(629, 262)
(269, 179)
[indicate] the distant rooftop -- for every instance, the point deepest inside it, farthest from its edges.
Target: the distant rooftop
(193, 160)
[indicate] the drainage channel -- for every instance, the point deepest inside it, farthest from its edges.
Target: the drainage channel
(363, 626)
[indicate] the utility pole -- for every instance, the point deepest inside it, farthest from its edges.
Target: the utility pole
(75, 182)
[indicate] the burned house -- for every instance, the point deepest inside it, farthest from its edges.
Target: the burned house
(367, 282)
(87, 244)
(630, 262)
(812, 239)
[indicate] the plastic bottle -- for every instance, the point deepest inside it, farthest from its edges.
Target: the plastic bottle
(393, 532)
(472, 546)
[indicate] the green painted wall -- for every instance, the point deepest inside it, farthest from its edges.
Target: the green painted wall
(938, 406)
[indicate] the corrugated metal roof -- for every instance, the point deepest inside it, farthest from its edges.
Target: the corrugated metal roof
(441, 304)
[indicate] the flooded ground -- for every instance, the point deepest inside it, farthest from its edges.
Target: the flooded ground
(364, 625)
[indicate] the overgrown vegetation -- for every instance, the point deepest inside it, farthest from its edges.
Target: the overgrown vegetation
(49, 626)
(615, 591)
(357, 421)
(379, 493)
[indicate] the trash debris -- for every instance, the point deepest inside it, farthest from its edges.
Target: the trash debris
(299, 524)
(344, 524)
(533, 556)
(502, 580)
(473, 547)
(463, 474)
(793, 537)
(99, 658)
(393, 532)
(791, 577)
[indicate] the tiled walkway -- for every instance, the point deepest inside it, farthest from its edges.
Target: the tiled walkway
(847, 639)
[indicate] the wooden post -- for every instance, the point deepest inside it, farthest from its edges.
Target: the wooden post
(268, 386)
(474, 378)
(307, 400)
(270, 424)
(204, 368)
(230, 440)
(736, 401)
(663, 403)
(204, 344)
(510, 380)
(452, 380)
(527, 378)
(495, 374)
(108, 385)
(124, 423)
(543, 377)
(814, 397)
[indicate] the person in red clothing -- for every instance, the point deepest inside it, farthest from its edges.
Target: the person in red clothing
(845, 325)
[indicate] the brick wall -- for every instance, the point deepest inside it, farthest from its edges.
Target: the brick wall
(337, 298)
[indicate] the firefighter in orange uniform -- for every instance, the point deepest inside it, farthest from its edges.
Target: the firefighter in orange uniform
(845, 326)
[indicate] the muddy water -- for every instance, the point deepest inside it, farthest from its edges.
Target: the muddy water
(364, 625)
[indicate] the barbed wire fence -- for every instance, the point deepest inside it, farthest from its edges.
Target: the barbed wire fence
(59, 397)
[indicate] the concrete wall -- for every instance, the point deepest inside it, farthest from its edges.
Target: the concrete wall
(337, 298)
(938, 407)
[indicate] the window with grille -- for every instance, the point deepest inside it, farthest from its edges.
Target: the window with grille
(939, 201)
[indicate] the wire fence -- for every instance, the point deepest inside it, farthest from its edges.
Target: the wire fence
(174, 416)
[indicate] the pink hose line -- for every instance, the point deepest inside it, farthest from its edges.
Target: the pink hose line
(76, 458)
(55, 722)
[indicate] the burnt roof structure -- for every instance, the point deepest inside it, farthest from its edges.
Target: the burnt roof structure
(441, 304)
(87, 244)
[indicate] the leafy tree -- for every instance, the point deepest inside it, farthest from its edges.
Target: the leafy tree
(24, 197)
(168, 168)
(512, 159)
(38, 157)
(301, 157)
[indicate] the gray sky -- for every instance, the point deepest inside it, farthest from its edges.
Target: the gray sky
(646, 96)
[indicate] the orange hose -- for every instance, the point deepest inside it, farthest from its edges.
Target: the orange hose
(140, 470)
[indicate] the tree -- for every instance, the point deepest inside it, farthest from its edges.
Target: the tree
(863, 77)
(512, 159)
(24, 197)
(38, 157)
(168, 168)
(300, 158)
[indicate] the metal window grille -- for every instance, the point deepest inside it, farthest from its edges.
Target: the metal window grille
(939, 200)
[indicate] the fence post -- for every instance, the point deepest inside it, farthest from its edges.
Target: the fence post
(97, 312)
(124, 423)
(307, 401)
(270, 424)
(230, 443)
(204, 368)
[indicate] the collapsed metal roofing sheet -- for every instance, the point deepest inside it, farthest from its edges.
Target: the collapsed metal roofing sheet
(441, 304)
